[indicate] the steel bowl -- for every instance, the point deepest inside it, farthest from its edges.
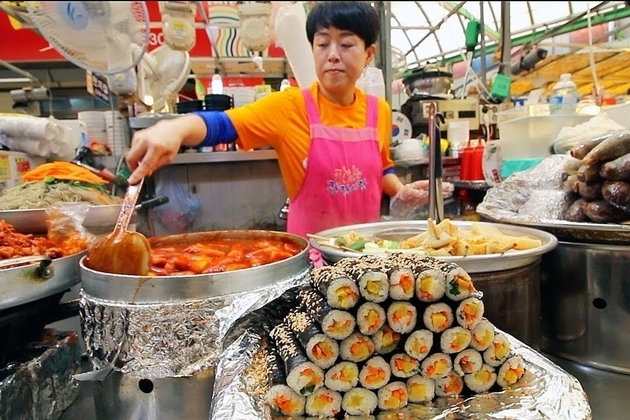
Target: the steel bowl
(399, 230)
(160, 289)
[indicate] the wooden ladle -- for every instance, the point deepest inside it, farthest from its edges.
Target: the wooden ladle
(122, 251)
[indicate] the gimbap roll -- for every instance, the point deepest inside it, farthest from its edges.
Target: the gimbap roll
(436, 366)
(437, 317)
(454, 340)
(385, 340)
(282, 399)
(449, 386)
(374, 286)
(401, 317)
(401, 283)
(482, 335)
(459, 284)
(334, 323)
(320, 349)
(419, 343)
(420, 389)
(359, 402)
(430, 285)
(340, 291)
(510, 372)
(482, 380)
(403, 365)
(323, 403)
(498, 351)
(375, 373)
(370, 318)
(393, 396)
(469, 312)
(303, 376)
(342, 377)
(356, 348)
(467, 362)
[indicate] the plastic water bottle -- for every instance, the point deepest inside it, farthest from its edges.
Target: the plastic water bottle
(564, 96)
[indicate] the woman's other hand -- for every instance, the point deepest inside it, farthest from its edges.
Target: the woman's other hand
(157, 146)
(413, 195)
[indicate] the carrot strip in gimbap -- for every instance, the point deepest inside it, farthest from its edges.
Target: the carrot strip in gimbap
(430, 285)
(454, 340)
(356, 348)
(482, 335)
(469, 312)
(282, 399)
(370, 318)
(393, 396)
(342, 377)
(482, 380)
(438, 317)
(419, 343)
(375, 373)
(402, 316)
(402, 283)
(436, 366)
(498, 351)
(334, 323)
(323, 403)
(385, 340)
(510, 372)
(403, 365)
(303, 376)
(320, 349)
(449, 386)
(340, 291)
(467, 362)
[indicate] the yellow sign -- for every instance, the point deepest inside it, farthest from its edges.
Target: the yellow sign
(5, 167)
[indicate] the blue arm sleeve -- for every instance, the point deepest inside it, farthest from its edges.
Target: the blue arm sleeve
(389, 171)
(219, 128)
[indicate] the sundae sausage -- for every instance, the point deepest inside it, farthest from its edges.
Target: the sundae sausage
(592, 192)
(618, 144)
(572, 166)
(575, 212)
(617, 193)
(616, 170)
(602, 212)
(589, 174)
(580, 150)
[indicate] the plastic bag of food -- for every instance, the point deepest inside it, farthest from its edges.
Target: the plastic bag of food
(65, 228)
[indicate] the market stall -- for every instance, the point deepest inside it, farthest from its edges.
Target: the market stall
(222, 314)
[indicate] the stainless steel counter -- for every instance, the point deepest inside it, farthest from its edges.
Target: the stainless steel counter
(607, 393)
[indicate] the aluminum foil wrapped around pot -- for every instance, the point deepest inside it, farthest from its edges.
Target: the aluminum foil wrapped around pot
(545, 391)
(174, 326)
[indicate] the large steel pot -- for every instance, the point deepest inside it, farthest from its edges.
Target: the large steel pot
(586, 304)
(40, 277)
(137, 289)
(428, 81)
(121, 395)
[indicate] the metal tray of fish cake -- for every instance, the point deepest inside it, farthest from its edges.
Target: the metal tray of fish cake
(396, 230)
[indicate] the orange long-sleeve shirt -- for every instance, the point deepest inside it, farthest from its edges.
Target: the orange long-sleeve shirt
(279, 120)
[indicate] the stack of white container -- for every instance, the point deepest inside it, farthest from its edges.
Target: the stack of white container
(117, 132)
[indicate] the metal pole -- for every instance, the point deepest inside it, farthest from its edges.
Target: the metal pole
(384, 49)
(506, 40)
(482, 50)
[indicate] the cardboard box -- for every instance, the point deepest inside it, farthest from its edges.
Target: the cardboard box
(13, 165)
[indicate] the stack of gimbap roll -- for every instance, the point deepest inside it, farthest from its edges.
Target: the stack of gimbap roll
(375, 333)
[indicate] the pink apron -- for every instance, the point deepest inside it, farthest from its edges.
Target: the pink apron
(344, 174)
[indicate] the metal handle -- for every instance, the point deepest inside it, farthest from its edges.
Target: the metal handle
(436, 203)
(44, 270)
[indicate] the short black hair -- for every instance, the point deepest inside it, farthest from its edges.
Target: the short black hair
(358, 17)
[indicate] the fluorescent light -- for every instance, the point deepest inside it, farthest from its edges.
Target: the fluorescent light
(8, 80)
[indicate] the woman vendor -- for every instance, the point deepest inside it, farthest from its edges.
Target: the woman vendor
(332, 139)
